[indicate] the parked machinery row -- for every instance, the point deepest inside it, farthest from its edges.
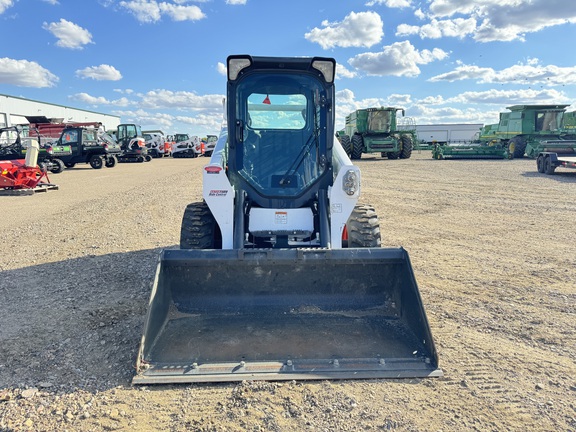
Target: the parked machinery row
(180, 145)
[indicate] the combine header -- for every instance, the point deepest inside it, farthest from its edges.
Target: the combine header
(280, 274)
(473, 150)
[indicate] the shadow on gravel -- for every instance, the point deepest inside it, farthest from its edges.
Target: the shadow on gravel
(560, 176)
(75, 323)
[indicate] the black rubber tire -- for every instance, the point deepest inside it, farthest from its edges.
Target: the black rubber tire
(148, 158)
(540, 164)
(518, 144)
(140, 159)
(346, 145)
(363, 227)
(57, 166)
(96, 162)
(199, 228)
(407, 146)
(357, 147)
(70, 164)
(548, 167)
(393, 155)
(111, 161)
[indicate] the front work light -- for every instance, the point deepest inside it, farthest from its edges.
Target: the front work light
(326, 67)
(235, 66)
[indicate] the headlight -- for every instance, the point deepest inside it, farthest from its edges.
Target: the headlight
(350, 182)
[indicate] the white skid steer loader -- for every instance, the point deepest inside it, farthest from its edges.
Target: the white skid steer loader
(280, 274)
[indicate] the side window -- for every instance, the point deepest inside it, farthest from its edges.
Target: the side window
(70, 136)
(131, 131)
(539, 121)
(89, 136)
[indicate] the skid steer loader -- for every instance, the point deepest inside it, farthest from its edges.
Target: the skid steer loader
(280, 274)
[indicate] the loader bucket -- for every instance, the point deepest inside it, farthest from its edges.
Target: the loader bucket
(285, 314)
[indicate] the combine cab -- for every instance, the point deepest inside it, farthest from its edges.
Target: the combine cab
(280, 274)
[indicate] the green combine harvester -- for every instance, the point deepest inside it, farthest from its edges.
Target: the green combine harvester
(525, 130)
(531, 129)
(377, 130)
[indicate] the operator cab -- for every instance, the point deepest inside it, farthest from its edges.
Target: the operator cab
(280, 151)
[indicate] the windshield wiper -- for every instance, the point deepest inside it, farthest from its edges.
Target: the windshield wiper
(313, 139)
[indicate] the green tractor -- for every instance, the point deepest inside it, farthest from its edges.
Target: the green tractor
(531, 129)
(376, 130)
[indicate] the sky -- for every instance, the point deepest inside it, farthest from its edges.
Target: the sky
(161, 64)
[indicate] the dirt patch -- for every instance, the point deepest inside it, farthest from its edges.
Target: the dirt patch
(491, 243)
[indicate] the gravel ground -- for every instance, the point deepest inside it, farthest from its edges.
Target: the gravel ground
(491, 243)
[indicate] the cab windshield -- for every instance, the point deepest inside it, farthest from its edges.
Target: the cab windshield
(283, 136)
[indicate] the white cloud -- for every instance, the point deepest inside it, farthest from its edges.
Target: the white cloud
(419, 14)
(52, 2)
(99, 100)
(432, 100)
(391, 3)
(342, 72)
(510, 97)
(507, 20)
(100, 73)
(24, 73)
(464, 72)
(69, 35)
(181, 13)
(458, 27)
(236, 2)
(426, 114)
(124, 91)
(530, 73)
(362, 29)
(468, 107)
(221, 68)
(149, 11)
(210, 120)
(203, 123)
(156, 99)
(399, 59)
(5, 4)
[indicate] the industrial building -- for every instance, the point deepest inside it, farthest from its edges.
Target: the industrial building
(14, 110)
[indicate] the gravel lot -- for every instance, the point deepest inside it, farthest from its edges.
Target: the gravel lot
(491, 243)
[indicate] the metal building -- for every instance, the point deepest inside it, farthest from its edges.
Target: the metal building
(14, 110)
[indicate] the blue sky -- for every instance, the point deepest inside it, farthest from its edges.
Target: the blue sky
(161, 63)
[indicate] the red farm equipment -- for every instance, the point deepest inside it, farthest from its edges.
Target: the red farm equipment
(22, 176)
